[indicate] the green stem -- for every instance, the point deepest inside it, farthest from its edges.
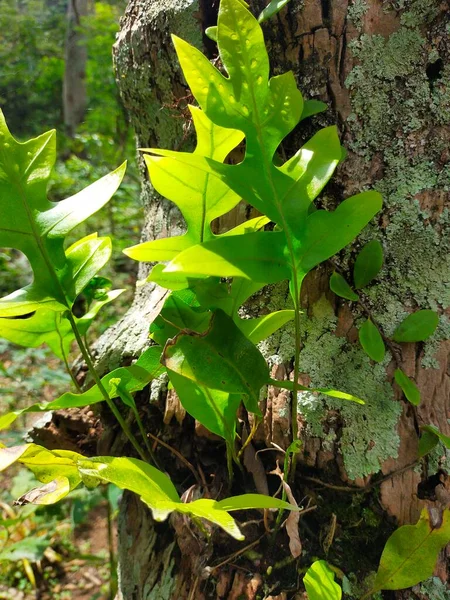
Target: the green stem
(102, 389)
(145, 437)
(112, 558)
(295, 387)
(72, 376)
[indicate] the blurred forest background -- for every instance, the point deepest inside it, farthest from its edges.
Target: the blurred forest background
(56, 72)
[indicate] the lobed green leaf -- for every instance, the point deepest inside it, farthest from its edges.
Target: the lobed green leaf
(37, 227)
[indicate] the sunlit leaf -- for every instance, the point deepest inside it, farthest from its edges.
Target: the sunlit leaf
(201, 199)
(260, 328)
(289, 385)
(158, 492)
(211, 32)
(50, 327)
(319, 582)
(38, 227)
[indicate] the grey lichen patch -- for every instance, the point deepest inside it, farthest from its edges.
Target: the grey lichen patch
(415, 12)
(431, 347)
(157, 387)
(438, 458)
(381, 101)
(146, 63)
(356, 11)
(434, 589)
(399, 109)
(368, 435)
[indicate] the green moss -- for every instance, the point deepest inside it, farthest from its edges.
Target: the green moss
(368, 435)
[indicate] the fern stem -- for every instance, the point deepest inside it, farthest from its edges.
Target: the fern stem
(145, 436)
(102, 389)
(72, 376)
(294, 405)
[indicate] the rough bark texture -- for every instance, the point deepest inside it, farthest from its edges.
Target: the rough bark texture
(383, 67)
(75, 57)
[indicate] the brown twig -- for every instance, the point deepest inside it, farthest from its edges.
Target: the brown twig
(178, 455)
(361, 490)
(237, 553)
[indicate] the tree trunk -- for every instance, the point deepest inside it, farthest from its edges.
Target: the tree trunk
(382, 66)
(75, 57)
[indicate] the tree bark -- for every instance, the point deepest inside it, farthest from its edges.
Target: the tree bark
(382, 66)
(75, 58)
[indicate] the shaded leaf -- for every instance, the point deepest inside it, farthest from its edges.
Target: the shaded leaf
(429, 439)
(371, 341)
(177, 316)
(341, 288)
(417, 327)
(427, 442)
(215, 409)
(368, 264)
(50, 327)
(249, 501)
(30, 548)
(408, 386)
(411, 552)
(313, 107)
(222, 358)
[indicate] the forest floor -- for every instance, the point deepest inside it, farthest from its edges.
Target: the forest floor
(62, 552)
